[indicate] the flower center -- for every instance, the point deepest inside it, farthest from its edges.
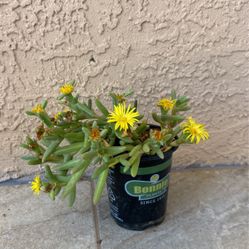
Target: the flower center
(95, 134)
(123, 119)
(194, 130)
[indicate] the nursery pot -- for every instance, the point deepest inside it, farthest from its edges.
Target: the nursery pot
(140, 202)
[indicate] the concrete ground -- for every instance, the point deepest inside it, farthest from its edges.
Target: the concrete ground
(207, 209)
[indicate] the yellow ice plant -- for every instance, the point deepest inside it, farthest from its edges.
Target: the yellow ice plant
(167, 104)
(66, 89)
(57, 115)
(194, 131)
(36, 185)
(38, 109)
(123, 117)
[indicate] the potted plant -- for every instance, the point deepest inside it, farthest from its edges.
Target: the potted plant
(132, 156)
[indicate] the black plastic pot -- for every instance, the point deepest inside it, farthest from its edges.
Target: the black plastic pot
(140, 202)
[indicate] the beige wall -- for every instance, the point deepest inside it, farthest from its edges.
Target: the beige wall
(200, 48)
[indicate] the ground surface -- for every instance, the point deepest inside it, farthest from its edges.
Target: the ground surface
(207, 209)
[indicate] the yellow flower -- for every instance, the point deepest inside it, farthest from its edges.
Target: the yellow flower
(123, 117)
(66, 88)
(194, 131)
(37, 109)
(167, 104)
(95, 134)
(57, 115)
(36, 185)
(120, 97)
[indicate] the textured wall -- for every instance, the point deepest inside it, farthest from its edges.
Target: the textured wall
(200, 48)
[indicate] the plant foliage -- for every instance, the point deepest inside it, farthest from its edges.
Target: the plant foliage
(82, 135)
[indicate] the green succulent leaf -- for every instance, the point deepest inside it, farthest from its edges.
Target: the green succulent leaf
(167, 137)
(113, 162)
(101, 107)
(57, 190)
(72, 182)
(176, 131)
(103, 133)
(83, 165)
(90, 155)
(160, 153)
(62, 179)
(146, 148)
(157, 118)
(182, 109)
(124, 162)
(52, 195)
(177, 118)
(69, 165)
(45, 119)
(34, 161)
(72, 148)
(25, 146)
(30, 113)
(57, 131)
(44, 104)
(85, 109)
(135, 150)
(100, 186)
(50, 149)
(49, 175)
(114, 150)
(126, 168)
(127, 140)
(74, 136)
(72, 196)
(99, 170)
(135, 166)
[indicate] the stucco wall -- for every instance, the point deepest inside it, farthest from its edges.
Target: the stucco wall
(200, 48)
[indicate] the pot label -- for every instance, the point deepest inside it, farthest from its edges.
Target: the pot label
(146, 190)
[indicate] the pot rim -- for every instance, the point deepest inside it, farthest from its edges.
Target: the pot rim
(155, 157)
